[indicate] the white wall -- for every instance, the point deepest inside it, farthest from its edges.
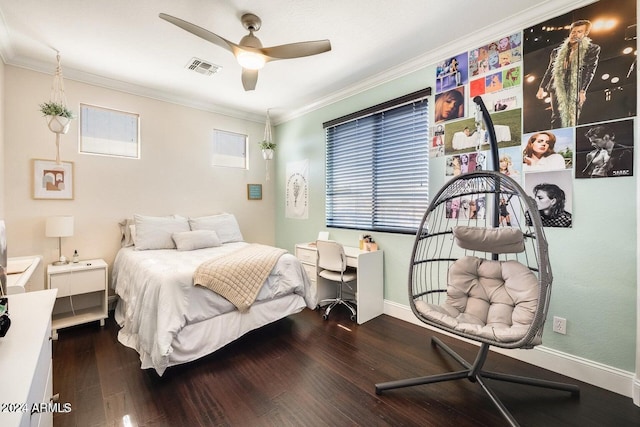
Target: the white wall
(172, 176)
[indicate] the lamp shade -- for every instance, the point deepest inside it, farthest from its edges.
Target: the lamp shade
(59, 226)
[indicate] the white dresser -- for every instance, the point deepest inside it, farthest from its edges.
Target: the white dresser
(25, 360)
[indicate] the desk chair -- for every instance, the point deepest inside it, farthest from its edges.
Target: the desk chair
(332, 265)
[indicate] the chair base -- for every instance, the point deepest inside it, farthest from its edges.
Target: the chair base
(474, 373)
(332, 302)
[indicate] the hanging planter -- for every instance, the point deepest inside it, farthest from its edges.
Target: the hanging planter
(56, 113)
(267, 149)
(267, 145)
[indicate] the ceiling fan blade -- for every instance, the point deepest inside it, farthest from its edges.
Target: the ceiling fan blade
(201, 32)
(297, 50)
(249, 79)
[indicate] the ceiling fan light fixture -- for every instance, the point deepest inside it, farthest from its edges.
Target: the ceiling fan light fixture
(251, 60)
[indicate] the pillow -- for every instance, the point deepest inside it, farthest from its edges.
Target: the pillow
(225, 226)
(126, 238)
(196, 239)
(501, 240)
(154, 232)
(132, 231)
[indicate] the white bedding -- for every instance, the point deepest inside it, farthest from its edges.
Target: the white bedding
(158, 298)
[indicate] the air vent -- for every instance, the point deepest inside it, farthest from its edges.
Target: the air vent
(203, 67)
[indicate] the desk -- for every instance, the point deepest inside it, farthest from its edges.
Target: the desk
(369, 293)
(25, 265)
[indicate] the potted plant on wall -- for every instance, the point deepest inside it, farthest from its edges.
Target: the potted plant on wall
(267, 149)
(58, 116)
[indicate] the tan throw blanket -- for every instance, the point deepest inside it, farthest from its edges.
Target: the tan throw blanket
(239, 275)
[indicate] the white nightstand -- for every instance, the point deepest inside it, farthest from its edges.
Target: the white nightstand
(82, 293)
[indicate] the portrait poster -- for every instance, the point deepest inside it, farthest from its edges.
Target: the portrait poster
(553, 194)
(449, 105)
(510, 162)
(452, 72)
(605, 150)
(602, 87)
(297, 190)
(52, 180)
(559, 155)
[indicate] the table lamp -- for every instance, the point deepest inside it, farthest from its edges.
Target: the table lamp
(59, 226)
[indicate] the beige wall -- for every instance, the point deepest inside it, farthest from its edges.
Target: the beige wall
(172, 176)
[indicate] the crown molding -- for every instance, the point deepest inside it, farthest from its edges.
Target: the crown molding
(528, 17)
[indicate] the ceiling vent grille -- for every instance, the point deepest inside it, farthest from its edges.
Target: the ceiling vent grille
(202, 67)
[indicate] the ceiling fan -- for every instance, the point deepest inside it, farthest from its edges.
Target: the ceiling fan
(249, 52)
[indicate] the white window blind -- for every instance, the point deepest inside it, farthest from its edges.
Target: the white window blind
(378, 166)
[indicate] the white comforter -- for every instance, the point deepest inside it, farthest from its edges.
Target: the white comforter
(158, 298)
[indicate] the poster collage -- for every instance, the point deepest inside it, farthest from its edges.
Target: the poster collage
(562, 98)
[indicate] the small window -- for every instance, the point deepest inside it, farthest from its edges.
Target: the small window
(229, 149)
(109, 132)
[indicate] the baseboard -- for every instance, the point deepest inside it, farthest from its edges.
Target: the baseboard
(594, 373)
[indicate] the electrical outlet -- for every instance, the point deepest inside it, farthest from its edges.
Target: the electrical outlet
(560, 325)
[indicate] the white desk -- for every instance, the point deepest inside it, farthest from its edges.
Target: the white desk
(369, 294)
(25, 265)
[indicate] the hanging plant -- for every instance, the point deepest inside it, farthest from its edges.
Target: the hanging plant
(267, 145)
(58, 116)
(55, 109)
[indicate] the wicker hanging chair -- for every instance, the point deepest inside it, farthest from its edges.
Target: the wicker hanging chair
(480, 270)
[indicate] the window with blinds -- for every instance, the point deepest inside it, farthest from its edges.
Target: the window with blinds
(378, 166)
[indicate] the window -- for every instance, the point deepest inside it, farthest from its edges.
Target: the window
(378, 166)
(229, 149)
(109, 132)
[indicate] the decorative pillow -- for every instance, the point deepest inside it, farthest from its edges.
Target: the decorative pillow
(501, 240)
(154, 232)
(196, 239)
(126, 239)
(225, 226)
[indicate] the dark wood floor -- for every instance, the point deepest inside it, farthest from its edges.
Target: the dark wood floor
(303, 371)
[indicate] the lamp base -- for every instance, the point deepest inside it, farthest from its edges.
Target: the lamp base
(60, 262)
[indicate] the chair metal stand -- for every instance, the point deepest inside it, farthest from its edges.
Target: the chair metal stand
(474, 373)
(338, 300)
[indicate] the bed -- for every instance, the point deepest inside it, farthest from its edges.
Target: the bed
(165, 317)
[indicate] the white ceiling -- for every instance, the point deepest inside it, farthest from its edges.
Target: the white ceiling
(124, 45)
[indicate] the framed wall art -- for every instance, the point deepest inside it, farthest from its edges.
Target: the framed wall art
(254, 191)
(52, 180)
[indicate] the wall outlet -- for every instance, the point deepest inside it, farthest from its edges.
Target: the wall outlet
(560, 325)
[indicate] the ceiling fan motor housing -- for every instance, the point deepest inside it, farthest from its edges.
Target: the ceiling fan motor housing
(251, 22)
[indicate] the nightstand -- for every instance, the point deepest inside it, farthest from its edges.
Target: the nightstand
(82, 293)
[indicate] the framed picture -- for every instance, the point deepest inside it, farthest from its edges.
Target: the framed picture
(52, 180)
(254, 191)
